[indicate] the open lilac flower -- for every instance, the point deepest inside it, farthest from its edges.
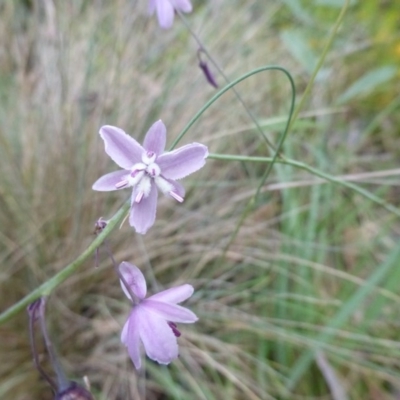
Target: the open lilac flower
(166, 10)
(146, 168)
(152, 320)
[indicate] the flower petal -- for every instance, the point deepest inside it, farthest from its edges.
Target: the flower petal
(158, 339)
(134, 279)
(183, 161)
(143, 214)
(124, 333)
(130, 337)
(107, 182)
(152, 7)
(170, 312)
(156, 138)
(122, 148)
(174, 295)
(165, 13)
(182, 5)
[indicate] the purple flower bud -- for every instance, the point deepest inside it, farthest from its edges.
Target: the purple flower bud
(206, 71)
(74, 392)
(64, 389)
(208, 74)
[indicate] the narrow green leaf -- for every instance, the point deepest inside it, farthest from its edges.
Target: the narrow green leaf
(334, 3)
(368, 82)
(297, 45)
(348, 309)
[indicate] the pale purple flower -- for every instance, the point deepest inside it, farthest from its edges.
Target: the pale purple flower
(166, 10)
(152, 320)
(146, 168)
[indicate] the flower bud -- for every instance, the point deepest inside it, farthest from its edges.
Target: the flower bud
(74, 392)
(64, 389)
(206, 70)
(208, 74)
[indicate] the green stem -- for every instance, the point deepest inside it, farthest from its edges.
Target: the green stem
(320, 61)
(227, 80)
(47, 287)
(223, 91)
(314, 171)
(277, 155)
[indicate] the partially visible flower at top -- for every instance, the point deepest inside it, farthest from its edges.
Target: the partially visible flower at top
(146, 168)
(166, 10)
(152, 320)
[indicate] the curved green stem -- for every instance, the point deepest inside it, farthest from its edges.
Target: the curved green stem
(47, 287)
(227, 80)
(277, 155)
(223, 91)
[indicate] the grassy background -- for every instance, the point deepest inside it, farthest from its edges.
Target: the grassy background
(314, 267)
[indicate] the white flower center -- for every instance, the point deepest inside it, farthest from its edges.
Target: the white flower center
(142, 176)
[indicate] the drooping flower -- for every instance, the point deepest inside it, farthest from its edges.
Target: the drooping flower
(166, 9)
(152, 321)
(146, 168)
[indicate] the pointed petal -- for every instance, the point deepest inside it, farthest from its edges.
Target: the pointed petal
(155, 138)
(174, 295)
(183, 161)
(107, 182)
(165, 13)
(170, 312)
(143, 214)
(122, 148)
(134, 279)
(130, 337)
(182, 5)
(158, 339)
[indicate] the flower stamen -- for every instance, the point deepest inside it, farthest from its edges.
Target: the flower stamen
(176, 196)
(122, 184)
(174, 328)
(139, 197)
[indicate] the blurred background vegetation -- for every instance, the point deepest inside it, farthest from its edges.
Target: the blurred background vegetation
(305, 303)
